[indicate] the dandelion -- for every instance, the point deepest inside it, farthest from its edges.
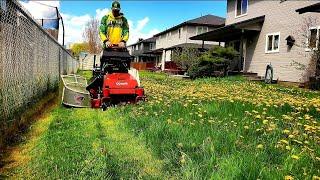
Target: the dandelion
(288, 148)
(258, 116)
(265, 121)
(284, 141)
(260, 146)
(295, 157)
(246, 127)
(183, 159)
(315, 178)
(288, 178)
(291, 136)
(179, 145)
(286, 131)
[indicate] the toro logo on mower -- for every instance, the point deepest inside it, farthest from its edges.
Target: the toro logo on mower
(78, 99)
(118, 83)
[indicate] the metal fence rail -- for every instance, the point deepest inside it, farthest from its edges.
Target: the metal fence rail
(31, 62)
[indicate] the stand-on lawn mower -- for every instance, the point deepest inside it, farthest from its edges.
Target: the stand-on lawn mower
(113, 81)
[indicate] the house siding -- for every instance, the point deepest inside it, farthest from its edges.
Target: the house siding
(279, 17)
(171, 38)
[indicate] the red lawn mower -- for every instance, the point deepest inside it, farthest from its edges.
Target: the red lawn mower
(113, 81)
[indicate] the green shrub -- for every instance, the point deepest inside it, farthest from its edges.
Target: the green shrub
(214, 62)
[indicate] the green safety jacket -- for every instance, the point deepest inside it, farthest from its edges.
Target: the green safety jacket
(114, 29)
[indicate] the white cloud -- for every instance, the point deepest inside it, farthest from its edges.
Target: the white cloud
(101, 12)
(74, 25)
(38, 10)
(136, 32)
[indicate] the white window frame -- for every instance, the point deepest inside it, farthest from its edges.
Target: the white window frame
(151, 46)
(3, 5)
(317, 40)
(204, 29)
(236, 8)
(267, 43)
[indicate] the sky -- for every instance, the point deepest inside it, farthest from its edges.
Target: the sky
(145, 17)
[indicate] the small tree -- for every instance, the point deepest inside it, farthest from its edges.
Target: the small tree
(76, 48)
(91, 36)
(214, 62)
(313, 67)
(185, 57)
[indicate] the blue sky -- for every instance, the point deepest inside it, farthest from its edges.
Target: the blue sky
(146, 17)
(162, 14)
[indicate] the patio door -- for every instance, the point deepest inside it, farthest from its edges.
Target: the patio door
(236, 45)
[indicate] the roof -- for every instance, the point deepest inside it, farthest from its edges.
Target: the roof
(311, 8)
(229, 32)
(149, 40)
(207, 20)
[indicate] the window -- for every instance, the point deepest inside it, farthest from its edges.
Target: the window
(272, 42)
(179, 32)
(201, 29)
(313, 38)
(151, 46)
(137, 47)
(241, 7)
(3, 5)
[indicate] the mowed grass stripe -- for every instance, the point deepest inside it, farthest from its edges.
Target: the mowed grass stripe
(86, 143)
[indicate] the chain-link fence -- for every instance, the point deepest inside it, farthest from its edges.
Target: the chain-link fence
(31, 62)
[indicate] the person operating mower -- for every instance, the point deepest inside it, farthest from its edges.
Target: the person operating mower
(114, 28)
(114, 81)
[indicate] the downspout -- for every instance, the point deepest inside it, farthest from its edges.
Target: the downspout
(241, 51)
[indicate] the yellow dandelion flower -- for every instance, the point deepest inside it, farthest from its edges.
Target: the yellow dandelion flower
(315, 178)
(288, 148)
(246, 127)
(265, 121)
(288, 178)
(179, 145)
(295, 157)
(291, 136)
(286, 131)
(284, 141)
(260, 146)
(182, 159)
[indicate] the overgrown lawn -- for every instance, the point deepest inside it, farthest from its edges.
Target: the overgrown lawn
(218, 128)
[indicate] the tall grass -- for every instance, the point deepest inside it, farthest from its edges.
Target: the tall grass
(214, 128)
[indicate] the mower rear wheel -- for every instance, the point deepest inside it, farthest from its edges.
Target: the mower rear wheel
(105, 106)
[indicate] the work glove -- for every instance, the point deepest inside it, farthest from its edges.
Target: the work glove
(107, 43)
(122, 44)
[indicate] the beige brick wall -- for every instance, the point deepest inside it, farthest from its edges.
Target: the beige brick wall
(279, 17)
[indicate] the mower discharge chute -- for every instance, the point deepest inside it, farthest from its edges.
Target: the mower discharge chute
(113, 81)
